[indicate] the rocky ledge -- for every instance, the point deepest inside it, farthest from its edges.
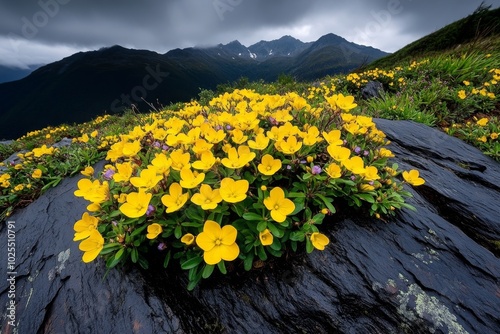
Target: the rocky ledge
(435, 270)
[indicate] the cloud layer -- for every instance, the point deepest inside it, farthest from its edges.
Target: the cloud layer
(38, 32)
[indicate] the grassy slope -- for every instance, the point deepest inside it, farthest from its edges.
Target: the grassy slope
(479, 25)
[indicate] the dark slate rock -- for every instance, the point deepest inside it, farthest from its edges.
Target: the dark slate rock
(372, 89)
(429, 271)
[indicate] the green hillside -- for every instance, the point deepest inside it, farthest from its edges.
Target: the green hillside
(471, 30)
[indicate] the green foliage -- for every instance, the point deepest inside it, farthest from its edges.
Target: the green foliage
(472, 30)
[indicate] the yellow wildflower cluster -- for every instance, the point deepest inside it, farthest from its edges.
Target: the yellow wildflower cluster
(231, 179)
(486, 89)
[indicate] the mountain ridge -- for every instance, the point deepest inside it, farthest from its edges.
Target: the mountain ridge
(79, 87)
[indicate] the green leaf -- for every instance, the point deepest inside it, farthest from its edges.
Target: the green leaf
(108, 248)
(178, 232)
(222, 267)
(366, 197)
(119, 254)
(295, 194)
(251, 216)
(138, 230)
(207, 271)
(261, 253)
(327, 202)
(261, 226)
(274, 230)
(309, 246)
(191, 263)
(134, 255)
(248, 262)
(167, 259)
(297, 236)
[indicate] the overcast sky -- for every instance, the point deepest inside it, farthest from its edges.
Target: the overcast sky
(44, 31)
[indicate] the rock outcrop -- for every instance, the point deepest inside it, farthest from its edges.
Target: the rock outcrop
(435, 270)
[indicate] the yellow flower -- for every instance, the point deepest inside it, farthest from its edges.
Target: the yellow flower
(482, 139)
(355, 165)
(37, 173)
(190, 180)
(462, 95)
(333, 137)
(94, 192)
(207, 198)
(233, 191)
(312, 136)
(345, 103)
(266, 238)
(162, 164)
(207, 160)
(279, 206)
(88, 171)
(124, 173)
(91, 246)
(482, 122)
(339, 153)
(84, 138)
(175, 199)
(412, 177)
(269, 165)
(494, 136)
(38, 152)
(85, 226)
(180, 159)
(187, 239)
(385, 153)
(131, 149)
(333, 170)
(238, 159)
(154, 230)
(288, 146)
(218, 243)
(467, 83)
(371, 173)
(148, 179)
(347, 118)
(366, 187)
(94, 134)
(260, 142)
(136, 204)
(238, 137)
(319, 240)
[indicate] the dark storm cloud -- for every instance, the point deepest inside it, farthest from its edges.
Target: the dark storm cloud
(45, 30)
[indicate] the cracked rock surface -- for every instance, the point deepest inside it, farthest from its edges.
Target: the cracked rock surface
(436, 270)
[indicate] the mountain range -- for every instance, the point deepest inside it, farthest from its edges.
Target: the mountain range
(86, 84)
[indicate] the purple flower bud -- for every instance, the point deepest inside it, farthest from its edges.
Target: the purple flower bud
(161, 246)
(108, 175)
(365, 153)
(157, 144)
(229, 127)
(371, 183)
(357, 149)
(316, 170)
(218, 127)
(353, 178)
(165, 147)
(114, 222)
(288, 167)
(151, 209)
(303, 161)
(345, 142)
